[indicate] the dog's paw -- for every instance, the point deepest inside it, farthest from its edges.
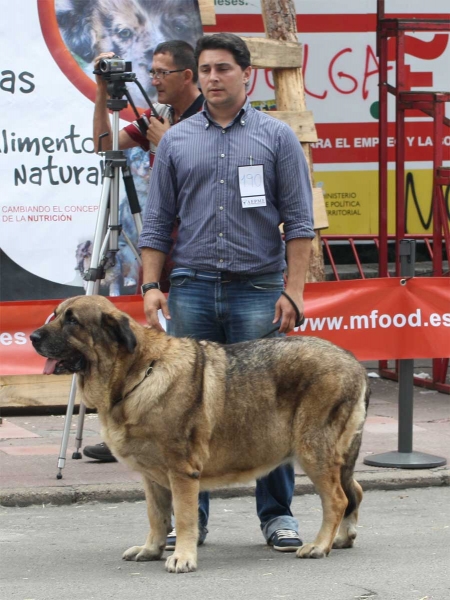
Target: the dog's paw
(142, 553)
(181, 563)
(310, 551)
(340, 543)
(345, 537)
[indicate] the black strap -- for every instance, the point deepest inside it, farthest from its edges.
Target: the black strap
(148, 372)
(299, 319)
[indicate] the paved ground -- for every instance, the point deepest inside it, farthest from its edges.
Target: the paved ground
(29, 447)
(74, 553)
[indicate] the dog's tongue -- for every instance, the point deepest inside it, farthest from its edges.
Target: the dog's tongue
(49, 367)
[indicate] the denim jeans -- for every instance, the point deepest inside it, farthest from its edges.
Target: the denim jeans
(231, 312)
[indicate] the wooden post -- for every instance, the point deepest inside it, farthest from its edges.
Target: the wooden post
(280, 24)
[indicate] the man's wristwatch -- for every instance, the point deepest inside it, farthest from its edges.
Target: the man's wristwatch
(149, 286)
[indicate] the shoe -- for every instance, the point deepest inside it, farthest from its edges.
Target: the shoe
(285, 540)
(99, 452)
(172, 538)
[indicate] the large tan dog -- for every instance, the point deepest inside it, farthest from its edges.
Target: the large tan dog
(191, 416)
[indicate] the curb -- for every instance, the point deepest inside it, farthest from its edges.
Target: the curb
(389, 479)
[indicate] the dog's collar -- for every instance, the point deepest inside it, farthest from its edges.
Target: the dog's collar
(148, 372)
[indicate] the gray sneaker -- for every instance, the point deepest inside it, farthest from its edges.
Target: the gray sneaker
(285, 540)
(172, 538)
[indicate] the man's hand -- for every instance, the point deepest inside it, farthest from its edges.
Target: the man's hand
(153, 301)
(286, 312)
(156, 130)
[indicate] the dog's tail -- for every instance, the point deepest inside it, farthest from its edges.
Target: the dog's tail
(352, 489)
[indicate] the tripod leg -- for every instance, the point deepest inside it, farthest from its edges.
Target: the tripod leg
(132, 197)
(92, 288)
(138, 222)
(132, 247)
(66, 432)
(100, 228)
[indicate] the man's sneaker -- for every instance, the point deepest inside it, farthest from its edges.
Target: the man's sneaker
(285, 540)
(172, 538)
(99, 452)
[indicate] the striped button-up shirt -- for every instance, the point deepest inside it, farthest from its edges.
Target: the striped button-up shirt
(195, 176)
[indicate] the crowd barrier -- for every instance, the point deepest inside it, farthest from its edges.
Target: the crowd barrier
(376, 319)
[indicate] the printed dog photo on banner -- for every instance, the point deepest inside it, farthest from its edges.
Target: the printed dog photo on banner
(131, 29)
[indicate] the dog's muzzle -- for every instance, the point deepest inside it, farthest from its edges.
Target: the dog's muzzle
(74, 362)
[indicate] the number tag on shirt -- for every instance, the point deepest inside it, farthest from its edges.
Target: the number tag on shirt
(251, 185)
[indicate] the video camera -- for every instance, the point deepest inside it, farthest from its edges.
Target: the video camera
(117, 72)
(114, 65)
(115, 69)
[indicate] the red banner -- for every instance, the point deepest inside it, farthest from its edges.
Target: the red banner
(376, 319)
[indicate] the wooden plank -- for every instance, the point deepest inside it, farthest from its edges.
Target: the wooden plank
(280, 23)
(319, 209)
(301, 122)
(207, 12)
(34, 390)
(271, 54)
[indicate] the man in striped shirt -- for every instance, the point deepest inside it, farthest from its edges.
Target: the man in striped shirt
(175, 76)
(233, 175)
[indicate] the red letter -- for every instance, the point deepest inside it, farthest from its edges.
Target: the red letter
(341, 74)
(305, 63)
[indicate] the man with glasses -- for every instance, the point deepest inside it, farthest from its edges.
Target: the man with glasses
(174, 75)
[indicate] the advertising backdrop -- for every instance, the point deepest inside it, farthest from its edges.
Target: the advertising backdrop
(341, 81)
(376, 319)
(50, 177)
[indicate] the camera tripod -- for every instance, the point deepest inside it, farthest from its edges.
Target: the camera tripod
(107, 232)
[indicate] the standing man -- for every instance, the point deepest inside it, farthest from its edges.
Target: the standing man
(174, 74)
(232, 175)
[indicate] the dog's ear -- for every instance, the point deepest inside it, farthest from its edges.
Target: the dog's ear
(75, 23)
(120, 331)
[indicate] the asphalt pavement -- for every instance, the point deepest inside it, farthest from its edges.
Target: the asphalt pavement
(30, 446)
(74, 553)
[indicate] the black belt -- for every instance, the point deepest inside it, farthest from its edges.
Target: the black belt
(222, 276)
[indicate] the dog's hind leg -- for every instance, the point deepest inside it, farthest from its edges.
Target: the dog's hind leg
(326, 480)
(329, 459)
(159, 504)
(347, 530)
(185, 492)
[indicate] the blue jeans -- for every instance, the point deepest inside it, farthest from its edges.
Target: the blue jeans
(231, 312)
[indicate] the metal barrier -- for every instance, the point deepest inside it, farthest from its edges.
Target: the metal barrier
(439, 365)
(431, 104)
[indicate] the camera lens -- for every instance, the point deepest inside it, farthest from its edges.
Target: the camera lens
(103, 65)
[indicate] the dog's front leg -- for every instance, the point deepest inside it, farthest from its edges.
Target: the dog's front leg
(159, 513)
(185, 492)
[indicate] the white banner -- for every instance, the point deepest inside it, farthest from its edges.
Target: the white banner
(50, 176)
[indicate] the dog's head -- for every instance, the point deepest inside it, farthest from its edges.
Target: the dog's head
(129, 28)
(82, 326)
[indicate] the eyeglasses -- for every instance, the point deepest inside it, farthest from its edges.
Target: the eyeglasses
(161, 74)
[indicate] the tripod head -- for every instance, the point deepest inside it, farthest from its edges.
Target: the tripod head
(116, 84)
